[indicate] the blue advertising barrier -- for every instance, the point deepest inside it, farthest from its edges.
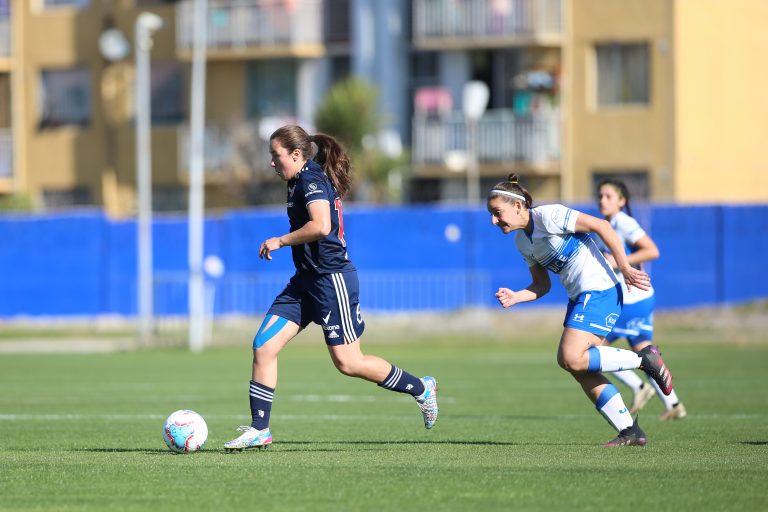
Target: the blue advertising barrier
(409, 259)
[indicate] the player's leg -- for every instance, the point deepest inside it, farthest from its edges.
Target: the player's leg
(350, 360)
(339, 314)
(641, 391)
(641, 340)
(571, 355)
(275, 332)
(673, 407)
(281, 323)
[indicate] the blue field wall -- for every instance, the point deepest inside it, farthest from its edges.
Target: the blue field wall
(409, 259)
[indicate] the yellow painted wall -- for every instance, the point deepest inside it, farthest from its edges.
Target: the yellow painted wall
(721, 79)
(601, 139)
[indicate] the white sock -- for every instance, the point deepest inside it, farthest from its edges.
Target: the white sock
(630, 379)
(612, 407)
(611, 359)
(669, 400)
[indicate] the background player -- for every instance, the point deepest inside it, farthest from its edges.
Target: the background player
(636, 320)
(555, 238)
(324, 289)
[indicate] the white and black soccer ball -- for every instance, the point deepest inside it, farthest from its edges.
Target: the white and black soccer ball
(185, 431)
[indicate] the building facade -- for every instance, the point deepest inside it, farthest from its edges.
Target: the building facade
(578, 90)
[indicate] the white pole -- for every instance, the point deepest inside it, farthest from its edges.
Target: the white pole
(146, 24)
(196, 177)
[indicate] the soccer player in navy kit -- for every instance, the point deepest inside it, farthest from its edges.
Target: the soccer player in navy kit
(555, 238)
(636, 320)
(324, 289)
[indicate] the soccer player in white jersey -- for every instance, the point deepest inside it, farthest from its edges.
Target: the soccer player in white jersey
(556, 238)
(636, 320)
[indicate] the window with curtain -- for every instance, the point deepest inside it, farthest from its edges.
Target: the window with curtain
(167, 92)
(271, 88)
(65, 97)
(623, 74)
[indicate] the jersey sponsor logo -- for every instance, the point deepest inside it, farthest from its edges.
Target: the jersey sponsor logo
(331, 327)
(313, 192)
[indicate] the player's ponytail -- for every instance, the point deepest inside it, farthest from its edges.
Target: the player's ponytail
(511, 191)
(333, 158)
(330, 155)
(621, 188)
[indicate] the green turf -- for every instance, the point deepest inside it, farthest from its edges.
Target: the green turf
(82, 432)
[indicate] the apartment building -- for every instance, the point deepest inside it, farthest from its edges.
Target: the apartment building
(665, 93)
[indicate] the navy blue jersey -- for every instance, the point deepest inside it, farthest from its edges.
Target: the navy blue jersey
(329, 254)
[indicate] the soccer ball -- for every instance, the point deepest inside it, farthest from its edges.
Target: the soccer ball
(185, 431)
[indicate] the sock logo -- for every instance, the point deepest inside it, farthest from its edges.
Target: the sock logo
(409, 387)
(261, 413)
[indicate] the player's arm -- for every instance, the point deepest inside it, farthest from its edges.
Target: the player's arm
(318, 226)
(589, 224)
(643, 250)
(537, 289)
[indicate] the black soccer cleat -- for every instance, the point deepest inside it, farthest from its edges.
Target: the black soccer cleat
(630, 436)
(652, 364)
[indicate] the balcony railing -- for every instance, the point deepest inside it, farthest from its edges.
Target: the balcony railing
(5, 37)
(485, 20)
(239, 25)
(235, 149)
(501, 137)
(6, 153)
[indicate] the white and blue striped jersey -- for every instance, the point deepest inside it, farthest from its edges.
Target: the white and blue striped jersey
(555, 245)
(629, 232)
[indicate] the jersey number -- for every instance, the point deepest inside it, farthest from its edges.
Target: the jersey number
(337, 203)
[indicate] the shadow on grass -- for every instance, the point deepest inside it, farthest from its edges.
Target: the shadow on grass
(754, 443)
(322, 446)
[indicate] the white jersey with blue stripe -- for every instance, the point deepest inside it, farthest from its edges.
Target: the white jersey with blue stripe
(629, 232)
(555, 245)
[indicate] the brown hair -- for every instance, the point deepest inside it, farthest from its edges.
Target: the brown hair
(331, 155)
(512, 186)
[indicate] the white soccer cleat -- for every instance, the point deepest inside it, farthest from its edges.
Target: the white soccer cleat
(678, 412)
(641, 398)
(428, 401)
(250, 438)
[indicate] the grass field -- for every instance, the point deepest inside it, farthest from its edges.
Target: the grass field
(82, 432)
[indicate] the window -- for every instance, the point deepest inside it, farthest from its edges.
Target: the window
(623, 74)
(78, 4)
(167, 92)
(271, 88)
(78, 196)
(65, 97)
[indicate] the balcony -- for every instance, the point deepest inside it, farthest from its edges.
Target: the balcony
(240, 29)
(439, 24)
(502, 139)
(231, 151)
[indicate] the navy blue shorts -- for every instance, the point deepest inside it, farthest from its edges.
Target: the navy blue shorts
(595, 312)
(329, 300)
